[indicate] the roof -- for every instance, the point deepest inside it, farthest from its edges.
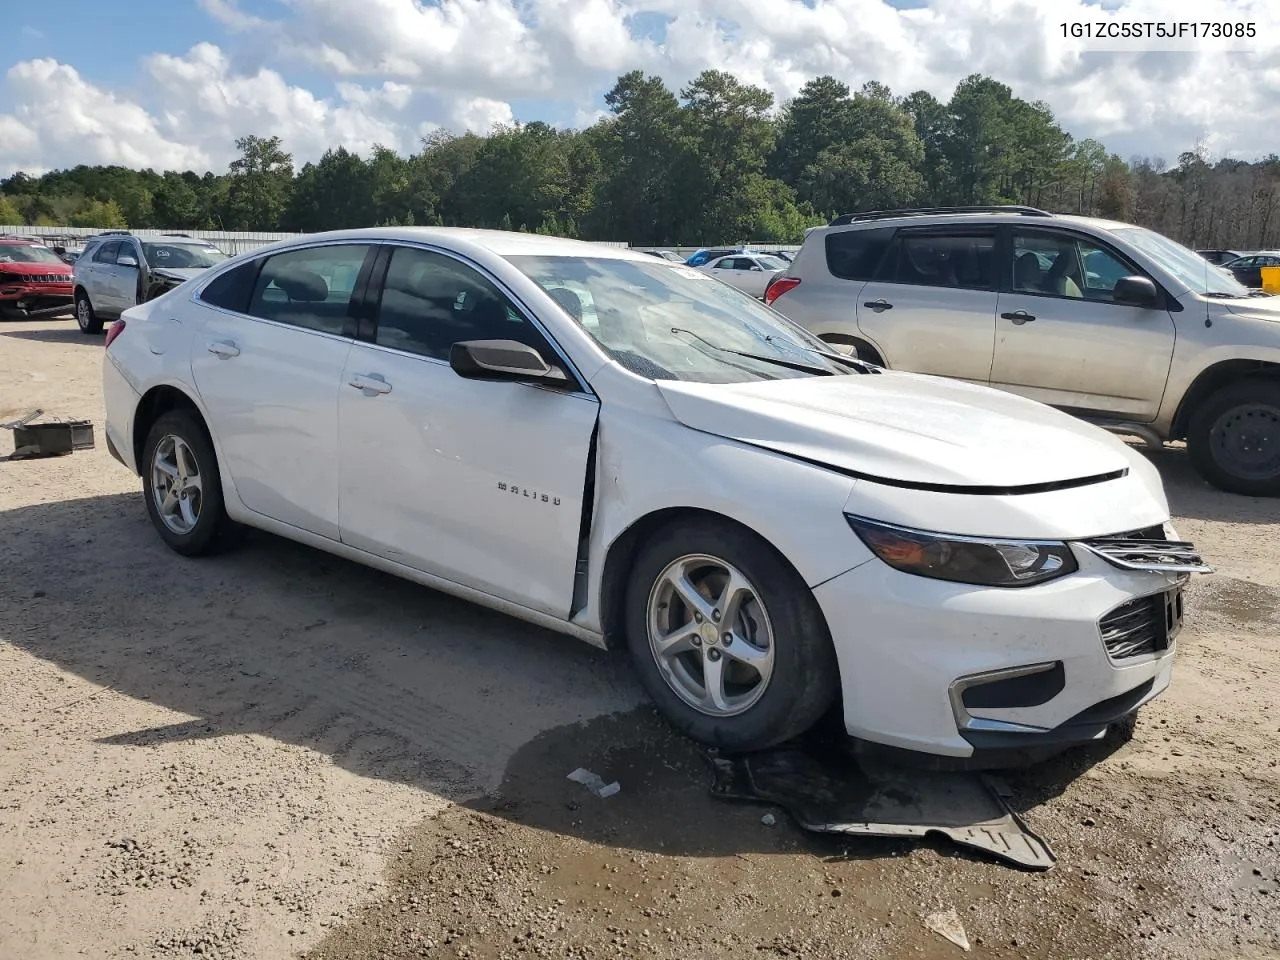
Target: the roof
(504, 243)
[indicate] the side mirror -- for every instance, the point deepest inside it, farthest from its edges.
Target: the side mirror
(758, 268)
(501, 360)
(126, 262)
(1136, 292)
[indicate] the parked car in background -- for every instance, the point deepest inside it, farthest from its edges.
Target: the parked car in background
(963, 572)
(750, 273)
(34, 281)
(1112, 322)
(1220, 257)
(702, 257)
(669, 255)
(117, 270)
(1248, 269)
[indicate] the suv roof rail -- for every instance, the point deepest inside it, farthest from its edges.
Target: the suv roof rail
(187, 235)
(114, 233)
(937, 211)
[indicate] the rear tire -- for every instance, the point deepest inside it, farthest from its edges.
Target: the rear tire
(777, 674)
(1234, 438)
(183, 487)
(86, 318)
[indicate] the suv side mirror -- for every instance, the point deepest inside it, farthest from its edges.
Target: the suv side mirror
(501, 360)
(126, 261)
(1135, 292)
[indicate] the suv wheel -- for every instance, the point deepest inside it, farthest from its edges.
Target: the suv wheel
(1234, 438)
(727, 638)
(88, 321)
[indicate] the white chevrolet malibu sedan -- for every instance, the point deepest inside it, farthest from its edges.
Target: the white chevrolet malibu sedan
(639, 456)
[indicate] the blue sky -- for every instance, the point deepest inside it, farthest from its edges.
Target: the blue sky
(172, 82)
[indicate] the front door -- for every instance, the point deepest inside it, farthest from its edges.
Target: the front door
(1061, 338)
(270, 381)
(932, 306)
(478, 482)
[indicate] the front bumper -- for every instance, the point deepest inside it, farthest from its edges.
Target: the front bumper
(35, 300)
(909, 648)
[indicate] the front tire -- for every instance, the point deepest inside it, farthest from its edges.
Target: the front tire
(183, 488)
(86, 318)
(1234, 438)
(726, 637)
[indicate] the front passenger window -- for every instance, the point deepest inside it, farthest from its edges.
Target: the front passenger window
(431, 301)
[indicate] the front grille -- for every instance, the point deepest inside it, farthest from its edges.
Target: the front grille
(1148, 549)
(1141, 626)
(50, 278)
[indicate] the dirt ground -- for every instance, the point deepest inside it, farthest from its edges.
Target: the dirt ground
(276, 753)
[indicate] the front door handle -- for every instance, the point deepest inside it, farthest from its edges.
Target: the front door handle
(371, 384)
(878, 306)
(224, 349)
(1018, 316)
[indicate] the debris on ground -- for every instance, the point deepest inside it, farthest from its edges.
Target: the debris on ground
(827, 790)
(769, 820)
(947, 924)
(594, 783)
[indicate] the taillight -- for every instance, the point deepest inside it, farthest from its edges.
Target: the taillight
(114, 331)
(778, 286)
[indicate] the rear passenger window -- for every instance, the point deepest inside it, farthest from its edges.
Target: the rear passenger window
(309, 288)
(855, 254)
(232, 290)
(961, 258)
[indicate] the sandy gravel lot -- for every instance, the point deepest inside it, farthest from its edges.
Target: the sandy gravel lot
(277, 753)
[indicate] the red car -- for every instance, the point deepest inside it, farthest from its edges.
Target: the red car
(34, 281)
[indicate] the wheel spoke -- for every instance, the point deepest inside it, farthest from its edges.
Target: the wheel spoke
(687, 592)
(169, 505)
(761, 661)
(735, 593)
(167, 468)
(713, 682)
(181, 458)
(678, 641)
(193, 484)
(186, 507)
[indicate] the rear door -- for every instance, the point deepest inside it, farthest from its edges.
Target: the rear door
(932, 307)
(479, 482)
(1062, 339)
(268, 363)
(100, 281)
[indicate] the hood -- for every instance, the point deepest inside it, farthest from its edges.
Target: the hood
(177, 274)
(905, 429)
(1263, 308)
(25, 269)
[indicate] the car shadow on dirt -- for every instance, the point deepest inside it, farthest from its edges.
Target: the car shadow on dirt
(1191, 496)
(389, 679)
(71, 335)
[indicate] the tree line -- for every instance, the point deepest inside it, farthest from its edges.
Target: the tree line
(713, 163)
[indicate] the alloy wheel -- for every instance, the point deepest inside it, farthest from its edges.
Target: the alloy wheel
(710, 635)
(176, 486)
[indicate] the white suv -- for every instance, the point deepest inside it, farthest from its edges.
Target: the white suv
(1108, 321)
(118, 270)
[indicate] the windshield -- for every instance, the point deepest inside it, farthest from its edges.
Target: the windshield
(675, 323)
(182, 256)
(1192, 269)
(27, 253)
(772, 263)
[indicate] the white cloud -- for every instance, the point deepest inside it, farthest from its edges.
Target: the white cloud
(399, 67)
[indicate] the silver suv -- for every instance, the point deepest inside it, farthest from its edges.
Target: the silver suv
(117, 270)
(1112, 322)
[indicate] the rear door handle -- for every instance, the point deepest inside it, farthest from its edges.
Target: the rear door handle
(224, 349)
(371, 384)
(1018, 316)
(878, 305)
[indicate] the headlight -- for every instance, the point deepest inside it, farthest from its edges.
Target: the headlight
(977, 560)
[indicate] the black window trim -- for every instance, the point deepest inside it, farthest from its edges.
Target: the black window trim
(939, 229)
(368, 338)
(262, 256)
(1004, 252)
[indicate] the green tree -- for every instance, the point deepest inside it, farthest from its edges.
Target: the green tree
(98, 213)
(176, 204)
(9, 215)
(260, 184)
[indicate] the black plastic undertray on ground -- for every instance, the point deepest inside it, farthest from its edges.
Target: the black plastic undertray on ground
(827, 791)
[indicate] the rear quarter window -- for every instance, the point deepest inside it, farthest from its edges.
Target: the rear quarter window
(855, 254)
